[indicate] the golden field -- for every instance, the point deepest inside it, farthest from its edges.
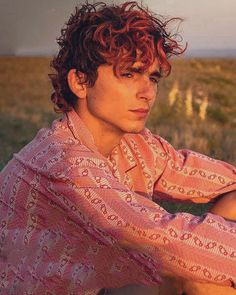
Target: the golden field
(195, 109)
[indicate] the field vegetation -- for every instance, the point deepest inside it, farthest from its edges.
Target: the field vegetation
(195, 109)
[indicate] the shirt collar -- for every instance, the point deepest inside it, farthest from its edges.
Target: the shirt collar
(80, 130)
(123, 154)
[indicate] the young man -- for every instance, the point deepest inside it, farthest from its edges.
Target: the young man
(77, 203)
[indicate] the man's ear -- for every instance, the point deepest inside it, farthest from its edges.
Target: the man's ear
(74, 80)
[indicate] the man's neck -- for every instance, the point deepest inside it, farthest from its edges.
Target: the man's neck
(105, 137)
(106, 144)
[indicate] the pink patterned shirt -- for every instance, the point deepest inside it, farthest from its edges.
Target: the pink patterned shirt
(69, 215)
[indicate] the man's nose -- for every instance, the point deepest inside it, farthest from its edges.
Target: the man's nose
(146, 89)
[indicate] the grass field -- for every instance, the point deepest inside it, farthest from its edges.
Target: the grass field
(195, 109)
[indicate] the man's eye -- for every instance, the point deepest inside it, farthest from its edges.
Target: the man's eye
(154, 80)
(127, 75)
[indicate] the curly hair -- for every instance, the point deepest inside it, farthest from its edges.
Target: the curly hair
(117, 35)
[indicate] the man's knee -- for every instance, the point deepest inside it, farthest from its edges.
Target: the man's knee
(226, 206)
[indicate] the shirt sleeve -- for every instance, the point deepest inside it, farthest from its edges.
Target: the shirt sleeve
(197, 248)
(188, 175)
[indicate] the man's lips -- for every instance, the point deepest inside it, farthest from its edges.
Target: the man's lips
(140, 111)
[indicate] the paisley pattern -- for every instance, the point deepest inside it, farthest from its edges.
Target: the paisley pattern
(74, 222)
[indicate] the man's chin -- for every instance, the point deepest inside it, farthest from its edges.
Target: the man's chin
(135, 130)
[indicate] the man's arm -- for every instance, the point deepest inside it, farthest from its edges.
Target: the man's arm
(187, 175)
(183, 244)
(225, 206)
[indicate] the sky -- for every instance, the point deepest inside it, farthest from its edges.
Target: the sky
(30, 27)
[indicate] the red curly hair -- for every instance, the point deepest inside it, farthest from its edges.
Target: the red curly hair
(99, 34)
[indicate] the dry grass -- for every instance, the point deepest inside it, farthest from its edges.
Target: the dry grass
(206, 122)
(24, 102)
(25, 107)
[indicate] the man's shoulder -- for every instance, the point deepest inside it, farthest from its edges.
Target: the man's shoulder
(51, 146)
(60, 134)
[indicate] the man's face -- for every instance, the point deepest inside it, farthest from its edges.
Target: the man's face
(122, 105)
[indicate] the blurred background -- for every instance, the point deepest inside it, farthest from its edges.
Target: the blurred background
(196, 105)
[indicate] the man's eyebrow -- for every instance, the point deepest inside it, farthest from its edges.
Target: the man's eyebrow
(155, 73)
